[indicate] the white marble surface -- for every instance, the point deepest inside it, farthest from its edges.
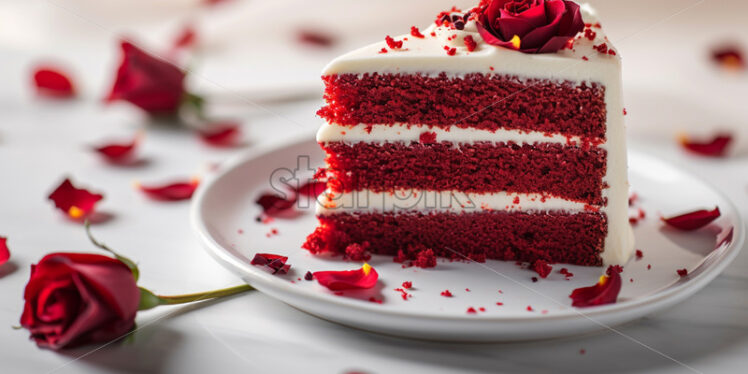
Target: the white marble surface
(669, 86)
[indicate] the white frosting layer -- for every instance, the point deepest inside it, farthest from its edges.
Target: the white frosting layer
(411, 133)
(582, 64)
(441, 201)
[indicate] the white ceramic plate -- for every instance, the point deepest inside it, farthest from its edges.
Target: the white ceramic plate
(224, 218)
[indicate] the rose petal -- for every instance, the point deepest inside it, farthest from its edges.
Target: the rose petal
(312, 188)
(365, 277)
(715, 147)
(52, 82)
(275, 204)
(118, 152)
(276, 263)
(76, 203)
(171, 192)
(221, 134)
(729, 57)
(4, 251)
(316, 38)
(604, 292)
(187, 38)
(693, 220)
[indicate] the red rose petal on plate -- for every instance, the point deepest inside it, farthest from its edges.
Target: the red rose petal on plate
(542, 268)
(365, 277)
(729, 58)
(171, 192)
(275, 204)
(604, 292)
(221, 134)
(714, 147)
(75, 202)
(312, 188)
(274, 262)
(316, 38)
(52, 82)
(118, 152)
(4, 251)
(693, 220)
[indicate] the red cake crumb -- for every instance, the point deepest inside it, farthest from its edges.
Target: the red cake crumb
(566, 273)
(427, 137)
(407, 285)
(383, 50)
(375, 300)
(639, 254)
(585, 58)
(358, 252)
(521, 104)
(542, 268)
(682, 272)
(530, 309)
(471, 310)
(534, 279)
(403, 294)
(450, 51)
(649, 266)
(631, 280)
(482, 309)
(602, 48)
(308, 276)
(554, 237)
(582, 351)
(446, 293)
(415, 32)
(392, 43)
(553, 169)
(499, 303)
(467, 290)
(470, 43)
(589, 34)
(240, 231)
(425, 259)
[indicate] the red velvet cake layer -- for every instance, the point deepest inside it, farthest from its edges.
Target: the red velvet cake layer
(550, 236)
(569, 172)
(475, 100)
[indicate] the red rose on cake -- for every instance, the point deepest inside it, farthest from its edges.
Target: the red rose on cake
(530, 26)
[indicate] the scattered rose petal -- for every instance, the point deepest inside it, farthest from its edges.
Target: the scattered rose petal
(312, 188)
(276, 263)
(52, 82)
(729, 58)
(693, 220)
(4, 251)
(714, 147)
(274, 204)
(316, 38)
(118, 153)
(225, 134)
(186, 38)
(682, 272)
(171, 192)
(542, 268)
(76, 203)
(365, 277)
(604, 292)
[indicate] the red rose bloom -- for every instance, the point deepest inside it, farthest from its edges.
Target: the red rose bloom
(150, 83)
(73, 299)
(530, 26)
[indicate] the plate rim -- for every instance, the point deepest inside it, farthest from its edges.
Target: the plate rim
(659, 299)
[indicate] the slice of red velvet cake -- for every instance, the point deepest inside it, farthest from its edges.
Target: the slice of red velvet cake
(496, 133)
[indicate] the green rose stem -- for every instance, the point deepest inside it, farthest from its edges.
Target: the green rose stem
(148, 299)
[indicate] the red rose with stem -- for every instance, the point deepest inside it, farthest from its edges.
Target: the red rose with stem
(530, 26)
(75, 298)
(150, 83)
